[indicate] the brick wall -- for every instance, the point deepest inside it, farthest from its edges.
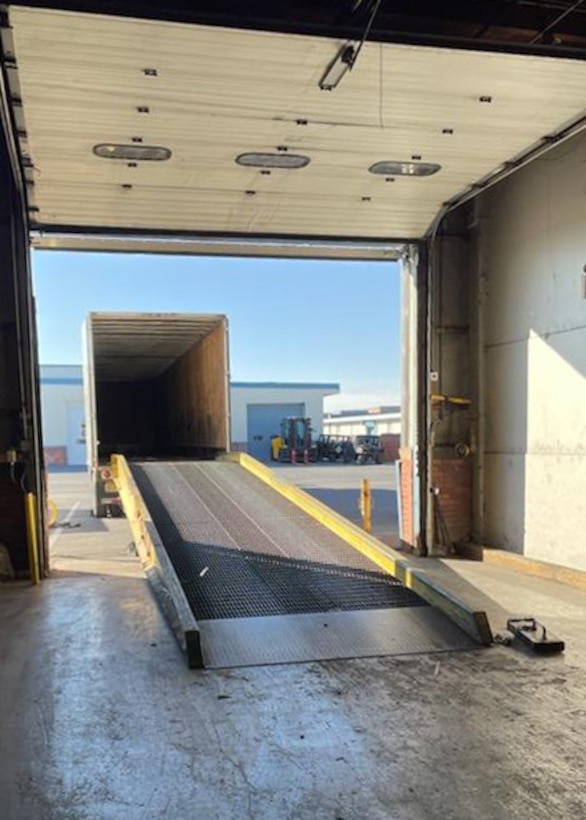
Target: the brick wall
(390, 443)
(55, 455)
(406, 470)
(453, 478)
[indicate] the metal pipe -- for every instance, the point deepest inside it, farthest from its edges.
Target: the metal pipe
(399, 495)
(146, 242)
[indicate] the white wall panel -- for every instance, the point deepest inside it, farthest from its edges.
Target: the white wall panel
(242, 396)
(533, 241)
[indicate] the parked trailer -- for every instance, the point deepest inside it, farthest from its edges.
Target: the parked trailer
(156, 386)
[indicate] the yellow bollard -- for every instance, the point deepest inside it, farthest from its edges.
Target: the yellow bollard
(30, 508)
(52, 513)
(366, 505)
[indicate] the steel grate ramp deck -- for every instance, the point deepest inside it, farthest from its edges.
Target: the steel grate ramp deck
(260, 575)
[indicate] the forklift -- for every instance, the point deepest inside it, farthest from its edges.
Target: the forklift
(294, 444)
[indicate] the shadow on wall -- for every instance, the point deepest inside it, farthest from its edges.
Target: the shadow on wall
(505, 444)
(532, 289)
(346, 502)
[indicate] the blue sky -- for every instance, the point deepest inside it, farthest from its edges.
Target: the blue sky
(290, 320)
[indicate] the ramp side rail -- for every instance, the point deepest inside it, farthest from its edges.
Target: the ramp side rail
(474, 622)
(157, 564)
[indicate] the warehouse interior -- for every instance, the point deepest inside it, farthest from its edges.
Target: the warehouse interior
(372, 98)
(490, 112)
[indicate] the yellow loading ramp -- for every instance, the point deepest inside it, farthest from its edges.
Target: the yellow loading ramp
(174, 601)
(470, 619)
(157, 565)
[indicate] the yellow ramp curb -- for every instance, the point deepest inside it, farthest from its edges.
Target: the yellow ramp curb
(157, 564)
(474, 622)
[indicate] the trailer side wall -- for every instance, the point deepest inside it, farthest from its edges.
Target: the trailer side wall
(194, 393)
(157, 385)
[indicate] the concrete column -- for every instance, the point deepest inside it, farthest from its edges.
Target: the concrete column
(413, 451)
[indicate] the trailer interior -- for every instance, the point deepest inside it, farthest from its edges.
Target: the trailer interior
(161, 384)
(324, 130)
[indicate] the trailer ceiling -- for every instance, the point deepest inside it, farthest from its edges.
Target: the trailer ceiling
(209, 94)
(139, 346)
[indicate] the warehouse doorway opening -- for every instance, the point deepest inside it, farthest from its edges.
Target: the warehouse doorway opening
(328, 350)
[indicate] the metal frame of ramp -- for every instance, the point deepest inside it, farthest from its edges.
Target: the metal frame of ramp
(473, 621)
(260, 581)
(319, 636)
(157, 566)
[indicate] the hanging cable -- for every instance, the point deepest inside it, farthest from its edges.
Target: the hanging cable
(345, 59)
(373, 14)
(557, 20)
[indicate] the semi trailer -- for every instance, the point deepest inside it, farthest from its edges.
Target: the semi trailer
(156, 385)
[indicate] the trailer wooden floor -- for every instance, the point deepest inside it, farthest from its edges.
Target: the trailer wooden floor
(268, 584)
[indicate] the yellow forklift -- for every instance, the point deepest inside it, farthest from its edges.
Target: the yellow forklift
(294, 444)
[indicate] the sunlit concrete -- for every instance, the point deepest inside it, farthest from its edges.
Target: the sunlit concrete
(338, 486)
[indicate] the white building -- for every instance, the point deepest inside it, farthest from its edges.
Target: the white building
(258, 407)
(62, 412)
(376, 421)
(256, 412)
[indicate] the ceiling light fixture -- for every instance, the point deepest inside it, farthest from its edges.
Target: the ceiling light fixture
(266, 160)
(151, 153)
(404, 169)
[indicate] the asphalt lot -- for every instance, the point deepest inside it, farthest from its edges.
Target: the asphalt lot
(338, 486)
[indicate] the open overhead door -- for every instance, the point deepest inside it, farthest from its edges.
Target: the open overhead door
(95, 93)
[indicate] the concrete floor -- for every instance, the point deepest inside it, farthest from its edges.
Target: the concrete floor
(99, 717)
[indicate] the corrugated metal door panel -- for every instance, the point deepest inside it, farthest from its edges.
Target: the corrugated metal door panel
(264, 421)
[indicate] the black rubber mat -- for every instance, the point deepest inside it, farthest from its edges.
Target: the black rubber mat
(241, 550)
